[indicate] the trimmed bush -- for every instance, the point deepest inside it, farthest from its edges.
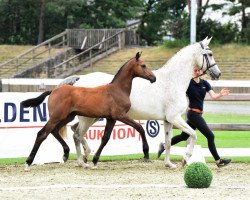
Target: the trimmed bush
(198, 175)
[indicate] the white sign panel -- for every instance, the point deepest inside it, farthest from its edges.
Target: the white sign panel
(19, 127)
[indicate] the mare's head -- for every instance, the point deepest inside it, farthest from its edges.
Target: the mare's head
(206, 60)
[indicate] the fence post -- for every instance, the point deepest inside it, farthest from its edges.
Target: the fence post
(90, 56)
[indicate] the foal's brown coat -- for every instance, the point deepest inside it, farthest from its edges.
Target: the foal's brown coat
(110, 101)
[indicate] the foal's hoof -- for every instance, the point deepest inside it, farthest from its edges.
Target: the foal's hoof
(85, 160)
(26, 167)
(65, 158)
(147, 160)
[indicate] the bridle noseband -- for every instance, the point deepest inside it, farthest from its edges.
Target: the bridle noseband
(205, 56)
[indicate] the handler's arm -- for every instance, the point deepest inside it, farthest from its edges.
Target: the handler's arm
(223, 92)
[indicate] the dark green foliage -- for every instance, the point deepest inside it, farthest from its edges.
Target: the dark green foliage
(221, 33)
(198, 175)
(20, 20)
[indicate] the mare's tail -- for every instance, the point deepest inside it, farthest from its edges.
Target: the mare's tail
(35, 101)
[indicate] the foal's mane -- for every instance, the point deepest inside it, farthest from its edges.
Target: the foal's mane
(120, 70)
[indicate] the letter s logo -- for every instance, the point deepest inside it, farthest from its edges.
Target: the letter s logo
(153, 128)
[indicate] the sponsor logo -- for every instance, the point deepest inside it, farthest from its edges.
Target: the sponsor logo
(152, 128)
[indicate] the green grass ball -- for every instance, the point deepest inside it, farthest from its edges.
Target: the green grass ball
(198, 175)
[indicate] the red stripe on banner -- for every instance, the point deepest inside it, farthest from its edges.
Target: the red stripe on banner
(94, 126)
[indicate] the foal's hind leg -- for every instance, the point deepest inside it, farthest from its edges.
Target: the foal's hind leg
(41, 136)
(56, 134)
(105, 138)
(140, 129)
(63, 143)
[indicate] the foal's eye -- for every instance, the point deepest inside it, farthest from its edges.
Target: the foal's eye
(143, 66)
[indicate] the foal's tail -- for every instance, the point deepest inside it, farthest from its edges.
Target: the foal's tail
(35, 101)
(63, 132)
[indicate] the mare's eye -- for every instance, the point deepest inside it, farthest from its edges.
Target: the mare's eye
(143, 66)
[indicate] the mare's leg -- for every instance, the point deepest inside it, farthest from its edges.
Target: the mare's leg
(79, 130)
(140, 129)
(168, 137)
(105, 138)
(41, 136)
(182, 125)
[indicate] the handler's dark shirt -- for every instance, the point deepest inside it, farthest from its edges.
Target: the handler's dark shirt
(196, 93)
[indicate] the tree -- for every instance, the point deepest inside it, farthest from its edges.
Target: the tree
(114, 14)
(161, 17)
(41, 22)
(18, 21)
(240, 7)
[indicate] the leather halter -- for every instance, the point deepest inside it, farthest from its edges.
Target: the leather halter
(205, 57)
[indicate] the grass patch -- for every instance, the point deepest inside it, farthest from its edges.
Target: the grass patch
(19, 161)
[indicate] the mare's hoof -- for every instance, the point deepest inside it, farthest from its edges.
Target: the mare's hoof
(82, 164)
(94, 167)
(26, 167)
(171, 165)
(183, 162)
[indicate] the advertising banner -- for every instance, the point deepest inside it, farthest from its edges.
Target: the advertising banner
(19, 127)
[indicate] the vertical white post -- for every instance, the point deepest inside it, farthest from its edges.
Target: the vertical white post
(193, 22)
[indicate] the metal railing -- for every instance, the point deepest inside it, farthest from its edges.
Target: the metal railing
(92, 44)
(33, 55)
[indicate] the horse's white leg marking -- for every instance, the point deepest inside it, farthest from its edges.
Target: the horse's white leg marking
(86, 149)
(168, 137)
(83, 126)
(181, 124)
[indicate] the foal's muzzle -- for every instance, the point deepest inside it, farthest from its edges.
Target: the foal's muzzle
(152, 79)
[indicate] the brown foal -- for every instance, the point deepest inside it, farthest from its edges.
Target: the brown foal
(110, 101)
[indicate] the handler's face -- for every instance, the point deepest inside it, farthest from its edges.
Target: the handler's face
(196, 72)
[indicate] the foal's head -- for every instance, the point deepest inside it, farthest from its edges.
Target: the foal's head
(139, 69)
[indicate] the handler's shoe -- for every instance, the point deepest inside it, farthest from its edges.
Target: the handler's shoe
(161, 149)
(223, 162)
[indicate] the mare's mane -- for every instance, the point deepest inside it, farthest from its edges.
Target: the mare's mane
(120, 70)
(175, 56)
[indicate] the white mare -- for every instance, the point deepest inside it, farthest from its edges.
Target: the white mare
(164, 100)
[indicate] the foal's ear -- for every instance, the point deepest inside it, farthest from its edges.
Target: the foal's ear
(137, 56)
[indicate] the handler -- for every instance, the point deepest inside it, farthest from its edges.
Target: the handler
(196, 93)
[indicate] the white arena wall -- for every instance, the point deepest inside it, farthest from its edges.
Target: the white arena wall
(19, 127)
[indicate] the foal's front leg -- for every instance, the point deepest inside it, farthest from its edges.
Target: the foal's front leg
(140, 129)
(105, 138)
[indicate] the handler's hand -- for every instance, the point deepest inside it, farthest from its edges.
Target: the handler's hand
(224, 92)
